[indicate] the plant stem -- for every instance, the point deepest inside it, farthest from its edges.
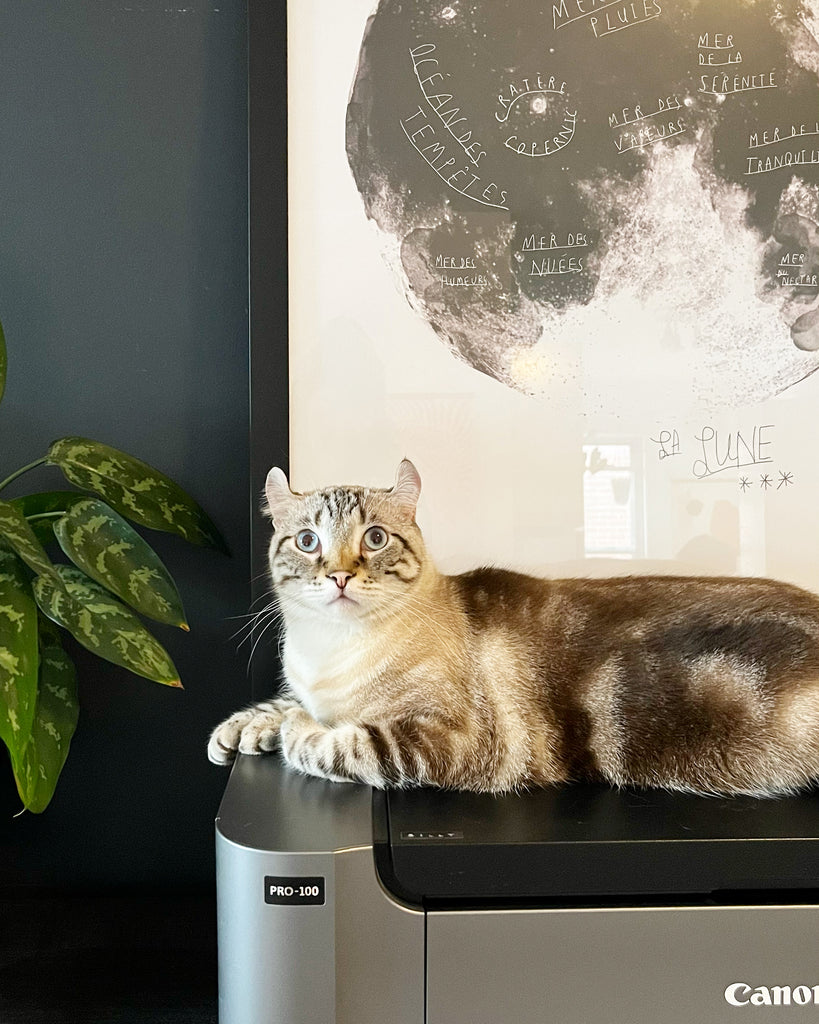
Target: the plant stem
(19, 472)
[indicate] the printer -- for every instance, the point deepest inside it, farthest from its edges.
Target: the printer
(338, 904)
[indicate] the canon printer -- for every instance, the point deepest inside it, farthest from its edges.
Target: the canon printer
(338, 904)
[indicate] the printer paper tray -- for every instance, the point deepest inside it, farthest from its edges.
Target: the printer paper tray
(568, 845)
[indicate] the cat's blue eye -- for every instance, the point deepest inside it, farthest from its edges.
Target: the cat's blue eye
(375, 538)
(307, 541)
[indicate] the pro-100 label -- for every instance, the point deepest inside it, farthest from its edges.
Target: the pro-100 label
(300, 891)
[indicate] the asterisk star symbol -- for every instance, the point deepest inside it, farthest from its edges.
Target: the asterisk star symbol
(784, 479)
(744, 483)
(765, 481)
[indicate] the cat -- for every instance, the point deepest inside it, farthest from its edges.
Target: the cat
(495, 681)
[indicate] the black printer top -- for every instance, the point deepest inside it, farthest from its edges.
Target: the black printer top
(574, 845)
(586, 845)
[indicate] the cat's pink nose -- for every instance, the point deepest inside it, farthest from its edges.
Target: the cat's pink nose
(341, 578)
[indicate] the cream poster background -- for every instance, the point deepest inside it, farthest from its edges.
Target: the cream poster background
(667, 424)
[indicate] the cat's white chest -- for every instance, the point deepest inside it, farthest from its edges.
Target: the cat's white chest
(327, 670)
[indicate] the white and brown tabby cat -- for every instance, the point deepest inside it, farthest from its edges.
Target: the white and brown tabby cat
(396, 675)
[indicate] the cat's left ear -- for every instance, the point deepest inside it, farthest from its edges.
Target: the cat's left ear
(279, 497)
(407, 489)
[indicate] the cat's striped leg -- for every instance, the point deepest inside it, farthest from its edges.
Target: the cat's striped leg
(396, 753)
(253, 730)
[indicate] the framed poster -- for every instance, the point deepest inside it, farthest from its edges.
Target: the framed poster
(565, 257)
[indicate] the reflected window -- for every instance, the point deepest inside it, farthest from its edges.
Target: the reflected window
(612, 501)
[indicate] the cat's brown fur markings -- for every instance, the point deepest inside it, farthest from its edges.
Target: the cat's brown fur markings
(397, 675)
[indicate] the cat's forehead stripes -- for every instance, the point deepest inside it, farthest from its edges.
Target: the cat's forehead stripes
(344, 505)
(339, 502)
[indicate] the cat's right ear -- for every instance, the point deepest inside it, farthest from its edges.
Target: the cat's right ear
(280, 499)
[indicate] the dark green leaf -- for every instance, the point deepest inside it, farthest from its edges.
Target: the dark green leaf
(55, 720)
(45, 503)
(16, 531)
(99, 622)
(43, 509)
(134, 489)
(43, 530)
(103, 545)
(18, 654)
(3, 362)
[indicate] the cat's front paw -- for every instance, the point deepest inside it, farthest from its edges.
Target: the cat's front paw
(313, 748)
(295, 725)
(251, 731)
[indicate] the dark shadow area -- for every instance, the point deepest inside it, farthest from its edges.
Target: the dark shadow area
(127, 958)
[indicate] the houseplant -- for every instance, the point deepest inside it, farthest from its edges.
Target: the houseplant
(111, 574)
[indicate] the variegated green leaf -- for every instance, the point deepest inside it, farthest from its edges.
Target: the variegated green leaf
(101, 543)
(3, 362)
(101, 623)
(18, 653)
(45, 508)
(134, 489)
(16, 531)
(55, 720)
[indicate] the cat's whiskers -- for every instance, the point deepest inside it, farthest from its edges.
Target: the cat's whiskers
(267, 592)
(251, 615)
(273, 620)
(247, 615)
(255, 637)
(264, 617)
(251, 621)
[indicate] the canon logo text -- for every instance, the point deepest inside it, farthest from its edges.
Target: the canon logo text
(740, 994)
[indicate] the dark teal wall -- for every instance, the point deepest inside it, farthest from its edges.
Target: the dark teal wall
(123, 293)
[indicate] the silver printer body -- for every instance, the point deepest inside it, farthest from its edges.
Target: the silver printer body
(339, 905)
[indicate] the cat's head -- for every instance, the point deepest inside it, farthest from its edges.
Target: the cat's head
(345, 553)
